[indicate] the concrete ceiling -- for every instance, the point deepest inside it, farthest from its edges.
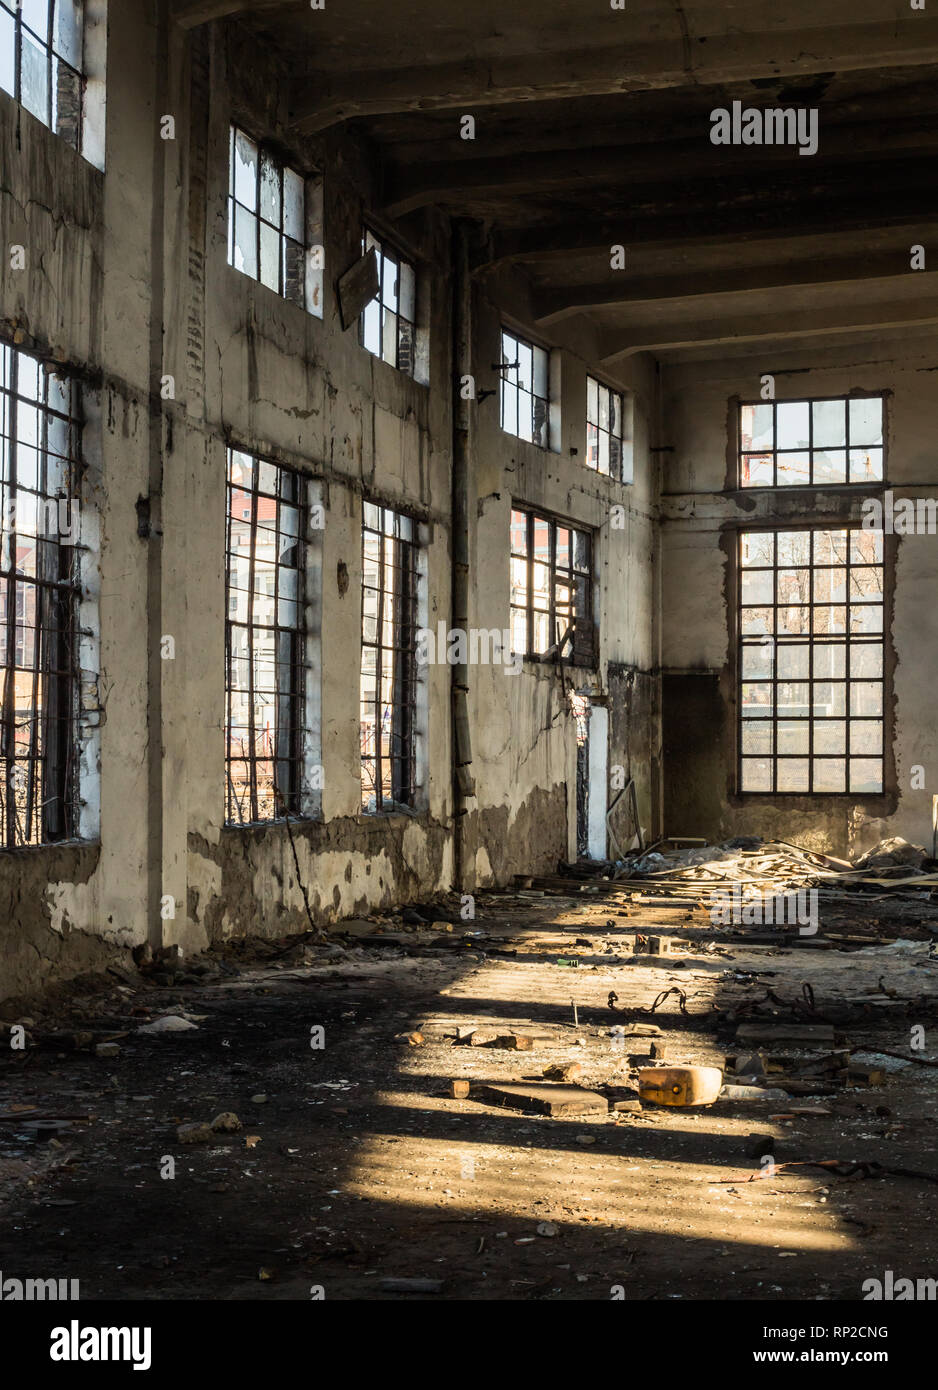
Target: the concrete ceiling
(592, 129)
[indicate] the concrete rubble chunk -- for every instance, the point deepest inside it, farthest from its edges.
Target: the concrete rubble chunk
(195, 1133)
(171, 1023)
(549, 1099)
(226, 1123)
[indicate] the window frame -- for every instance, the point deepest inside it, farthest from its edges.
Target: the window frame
(268, 155)
(405, 781)
(52, 782)
(506, 364)
(845, 640)
(578, 654)
(53, 57)
(810, 449)
(387, 253)
(619, 474)
(292, 803)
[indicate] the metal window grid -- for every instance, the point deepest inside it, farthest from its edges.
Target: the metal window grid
(551, 585)
(41, 61)
(868, 441)
(389, 659)
(811, 644)
(280, 237)
(524, 407)
(40, 434)
(266, 657)
(387, 323)
(603, 428)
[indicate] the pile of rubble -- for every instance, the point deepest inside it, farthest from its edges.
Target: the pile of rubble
(892, 866)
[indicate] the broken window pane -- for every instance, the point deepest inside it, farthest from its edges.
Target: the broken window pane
(270, 201)
(270, 257)
(555, 586)
(294, 272)
(294, 212)
(387, 327)
(245, 241)
(266, 219)
(245, 170)
(7, 52)
(822, 443)
(523, 384)
(67, 32)
(34, 78)
(604, 415)
(66, 103)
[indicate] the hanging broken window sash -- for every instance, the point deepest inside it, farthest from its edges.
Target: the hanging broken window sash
(387, 327)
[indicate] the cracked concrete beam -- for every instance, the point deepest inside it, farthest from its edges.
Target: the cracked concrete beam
(602, 70)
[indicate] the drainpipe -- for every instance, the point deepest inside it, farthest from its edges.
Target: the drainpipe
(463, 782)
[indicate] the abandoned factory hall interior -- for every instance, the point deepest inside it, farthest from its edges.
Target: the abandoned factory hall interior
(468, 653)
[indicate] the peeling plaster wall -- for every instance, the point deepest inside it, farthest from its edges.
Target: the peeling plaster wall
(127, 282)
(83, 299)
(288, 385)
(700, 517)
(523, 818)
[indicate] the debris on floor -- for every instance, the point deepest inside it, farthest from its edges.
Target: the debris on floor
(467, 1104)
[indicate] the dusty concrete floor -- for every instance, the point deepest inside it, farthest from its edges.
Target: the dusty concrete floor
(360, 1166)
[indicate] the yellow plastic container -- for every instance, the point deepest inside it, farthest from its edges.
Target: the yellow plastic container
(680, 1086)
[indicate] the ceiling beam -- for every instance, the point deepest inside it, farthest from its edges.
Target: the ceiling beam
(320, 100)
(552, 306)
(803, 213)
(547, 171)
(722, 330)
